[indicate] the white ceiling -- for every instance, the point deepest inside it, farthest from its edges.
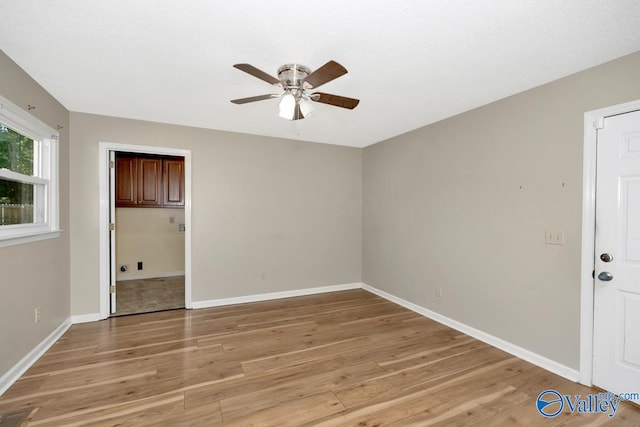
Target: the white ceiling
(410, 62)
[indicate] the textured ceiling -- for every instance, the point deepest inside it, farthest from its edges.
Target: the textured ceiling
(410, 62)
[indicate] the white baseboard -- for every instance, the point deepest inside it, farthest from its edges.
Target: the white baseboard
(275, 295)
(21, 367)
(522, 353)
(126, 276)
(85, 318)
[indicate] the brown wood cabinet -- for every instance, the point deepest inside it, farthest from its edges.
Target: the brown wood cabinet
(126, 182)
(173, 182)
(149, 181)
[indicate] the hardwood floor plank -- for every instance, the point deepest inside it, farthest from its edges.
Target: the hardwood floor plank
(342, 358)
(304, 355)
(54, 354)
(254, 337)
(115, 363)
(107, 412)
(336, 371)
(293, 413)
(432, 375)
(155, 415)
(172, 374)
(21, 387)
(410, 355)
(86, 383)
(521, 414)
(468, 410)
(382, 411)
(195, 417)
(111, 356)
(287, 315)
(488, 373)
(302, 387)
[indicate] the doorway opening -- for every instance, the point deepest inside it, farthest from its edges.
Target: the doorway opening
(149, 232)
(145, 233)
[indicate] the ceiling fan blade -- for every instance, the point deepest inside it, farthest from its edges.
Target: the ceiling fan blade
(253, 99)
(329, 71)
(338, 101)
(250, 69)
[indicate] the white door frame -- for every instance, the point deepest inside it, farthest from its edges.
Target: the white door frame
(104, 148)
(592, 121)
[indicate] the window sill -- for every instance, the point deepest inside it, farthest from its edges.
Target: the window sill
(28, 238)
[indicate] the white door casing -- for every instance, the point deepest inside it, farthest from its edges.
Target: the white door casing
(104, 188)
(616, 315)
(112, 231)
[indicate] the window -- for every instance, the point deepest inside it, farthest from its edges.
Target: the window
(28, 177)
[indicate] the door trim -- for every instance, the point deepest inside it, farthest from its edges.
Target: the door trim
(592, 120)
(104, 148)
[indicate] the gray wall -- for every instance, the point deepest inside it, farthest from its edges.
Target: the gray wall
(34, 274)
(463, 204)
(291, 209)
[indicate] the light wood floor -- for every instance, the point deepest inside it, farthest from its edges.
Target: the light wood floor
(344, 358)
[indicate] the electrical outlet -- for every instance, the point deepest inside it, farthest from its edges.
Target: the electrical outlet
(37, 314)
(263, 275)
(139, 265)
(439, 291)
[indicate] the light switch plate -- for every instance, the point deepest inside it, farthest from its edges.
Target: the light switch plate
(554, 237)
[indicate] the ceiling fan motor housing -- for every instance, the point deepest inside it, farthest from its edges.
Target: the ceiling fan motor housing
(291, 75)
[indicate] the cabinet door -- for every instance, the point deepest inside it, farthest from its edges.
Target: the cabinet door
(173, 182)
(126, 182)
(149, 182)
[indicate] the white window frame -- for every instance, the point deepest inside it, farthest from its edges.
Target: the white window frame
(45, 176)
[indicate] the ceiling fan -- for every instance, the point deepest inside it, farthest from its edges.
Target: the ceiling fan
(296, 80)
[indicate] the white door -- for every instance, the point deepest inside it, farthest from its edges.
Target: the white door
(616, 353)
(112, 230)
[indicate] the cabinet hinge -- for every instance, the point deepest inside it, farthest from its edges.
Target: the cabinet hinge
(112, 289)
(112, 227)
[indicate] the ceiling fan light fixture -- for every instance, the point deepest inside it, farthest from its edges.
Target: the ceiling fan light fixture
(287, 106)
(306, 107)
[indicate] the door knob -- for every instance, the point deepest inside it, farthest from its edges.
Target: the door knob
(606, 257)
(605, 276)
